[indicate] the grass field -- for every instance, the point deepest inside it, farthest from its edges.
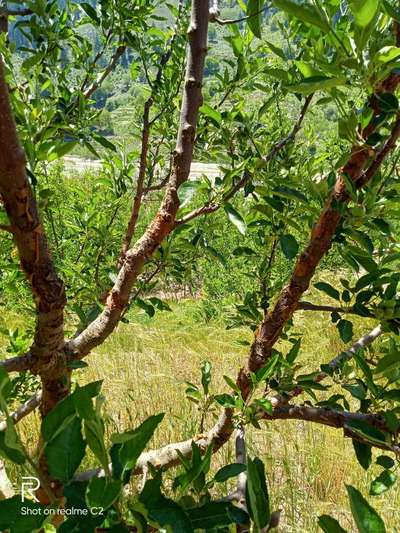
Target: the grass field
(145, 365)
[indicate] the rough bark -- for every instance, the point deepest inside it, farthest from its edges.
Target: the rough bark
(48, 290)
(47, 357)
(164, 221)
(359, 170)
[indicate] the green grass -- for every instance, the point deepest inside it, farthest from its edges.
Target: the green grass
(145, 365)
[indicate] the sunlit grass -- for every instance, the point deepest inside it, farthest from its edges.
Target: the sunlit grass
(145, 364)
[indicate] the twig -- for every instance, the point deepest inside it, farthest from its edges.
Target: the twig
(110, 67)
(24, 410)
(308, 306)
(213, 205)
(337, 362)
(224, 22)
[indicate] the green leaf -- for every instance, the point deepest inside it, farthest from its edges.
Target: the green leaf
(329, 524)
(134, 442)
(391, 11)
(388, 363)
(102, 492)
(199, 466)
(327, 289)
(293, 352)
(226, 400)
(206, 376)
(363, 453)
(266, 371)
(236, 218)
(365, 516)
(215, 515)
(387, 54)
(61, 415)
(315, 83)
(382, 483)
(304, 12)
(162, 511)
(105, 142)
(364, 11)
(367, 432)
(65, 452)
(385, 461)
(229, 381)
(254, 16)
(229, 471)
(264, 404)
(187, 191)
(345, 328)
(12, 518)
(211, 113)
(257, 493)
(60, 150)
(91, 12)
(289, 246)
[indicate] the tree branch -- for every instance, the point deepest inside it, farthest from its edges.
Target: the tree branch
(337, 362)
(110, 67)
(333, 418)
(224, 22)
(24, 410)
(308, 306)
(321, 238)
(168, 456)
(19, 363)
(164, 221)
(36, 261)
(140, 190)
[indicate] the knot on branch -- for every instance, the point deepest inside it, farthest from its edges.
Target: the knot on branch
(192, 83)
(115, 301)
(50, 367)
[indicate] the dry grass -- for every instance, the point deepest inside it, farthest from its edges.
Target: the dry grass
(145, 364)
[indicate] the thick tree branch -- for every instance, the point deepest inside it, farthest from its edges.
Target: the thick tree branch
(333, 418)
(321, 236)
(164, 221)
(19, 363)
(168, 457)
(29, 237)
(214, 205)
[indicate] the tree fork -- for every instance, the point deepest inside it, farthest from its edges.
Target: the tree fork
(164, 221)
